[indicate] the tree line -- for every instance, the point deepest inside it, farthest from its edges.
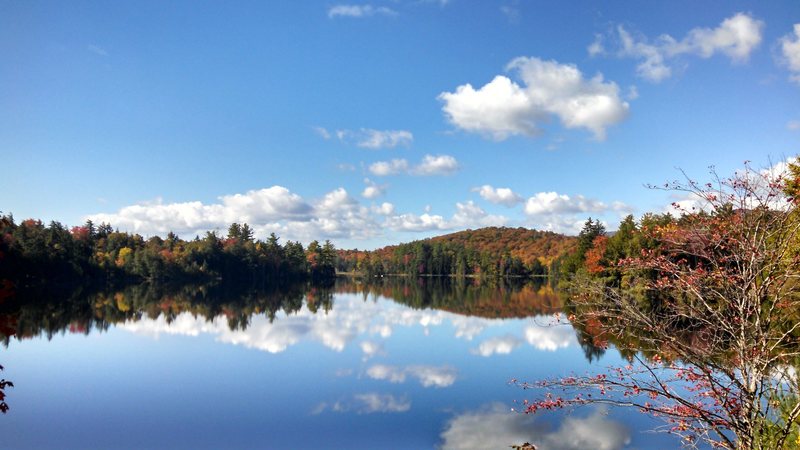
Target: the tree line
(32, 253)
(491, 252)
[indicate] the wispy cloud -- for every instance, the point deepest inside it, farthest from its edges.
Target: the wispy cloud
(368, 403)
(97, 50)
(376, 139)
(359, 11)
(736, 37)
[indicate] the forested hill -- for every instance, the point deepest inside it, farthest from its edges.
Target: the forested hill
(492, 251)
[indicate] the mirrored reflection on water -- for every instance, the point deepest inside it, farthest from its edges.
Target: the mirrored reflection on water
(400, 363)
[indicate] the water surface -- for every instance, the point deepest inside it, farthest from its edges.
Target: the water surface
(414, 364)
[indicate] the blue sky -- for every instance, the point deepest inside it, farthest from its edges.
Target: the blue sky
(376, 123)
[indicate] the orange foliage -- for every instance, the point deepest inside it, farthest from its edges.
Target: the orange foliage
(594, 256)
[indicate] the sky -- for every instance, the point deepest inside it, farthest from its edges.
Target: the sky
(374, 123)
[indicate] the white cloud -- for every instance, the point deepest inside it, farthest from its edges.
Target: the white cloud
(736, 37)
(384, 209)
(436, 165)
(413, 222)
(393, 167)
(274, 209)
(790, 50)
(467, 215)
(497, 346)
(499, 196)
(596, 48)
(385, 139)
(495, 426)
(566, 214)
(504, 108)
(428, 376)
(793, 125)
(373, 190)
(429, 166)
(359, 11)
(555, 203)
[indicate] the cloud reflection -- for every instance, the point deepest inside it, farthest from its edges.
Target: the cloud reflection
(367, 403)
(352, 318)
(497, 346)
(428, 376)
(495, 426)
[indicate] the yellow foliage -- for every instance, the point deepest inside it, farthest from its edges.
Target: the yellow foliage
(122, 302)
(124, 257)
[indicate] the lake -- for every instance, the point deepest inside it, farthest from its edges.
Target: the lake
(401, 364)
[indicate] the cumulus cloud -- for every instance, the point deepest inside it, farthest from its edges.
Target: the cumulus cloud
(414, 222)
(428, 376)
(372, 190)
(736, 37)
(359, 11)
(497, 346)
(790, 51)
(274, 209)
(393, 167)
(436, 165)
(504, 108)
(376, 139)
(495, 426)
(499, 196)
(467, 215)
(429, 166)
(384, 209)
(555, 203)
(566, 214)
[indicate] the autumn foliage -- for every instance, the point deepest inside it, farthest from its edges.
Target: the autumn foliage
(706, 307)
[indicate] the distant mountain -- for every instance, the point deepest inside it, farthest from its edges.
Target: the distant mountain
(496, 251)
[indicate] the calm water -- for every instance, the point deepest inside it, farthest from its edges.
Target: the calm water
(402, 365)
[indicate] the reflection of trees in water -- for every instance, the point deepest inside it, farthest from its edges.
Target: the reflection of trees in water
(48, 314)
(38, 314)
(497, 299)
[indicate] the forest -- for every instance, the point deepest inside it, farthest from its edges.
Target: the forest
(32, 254)
(492, 252)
